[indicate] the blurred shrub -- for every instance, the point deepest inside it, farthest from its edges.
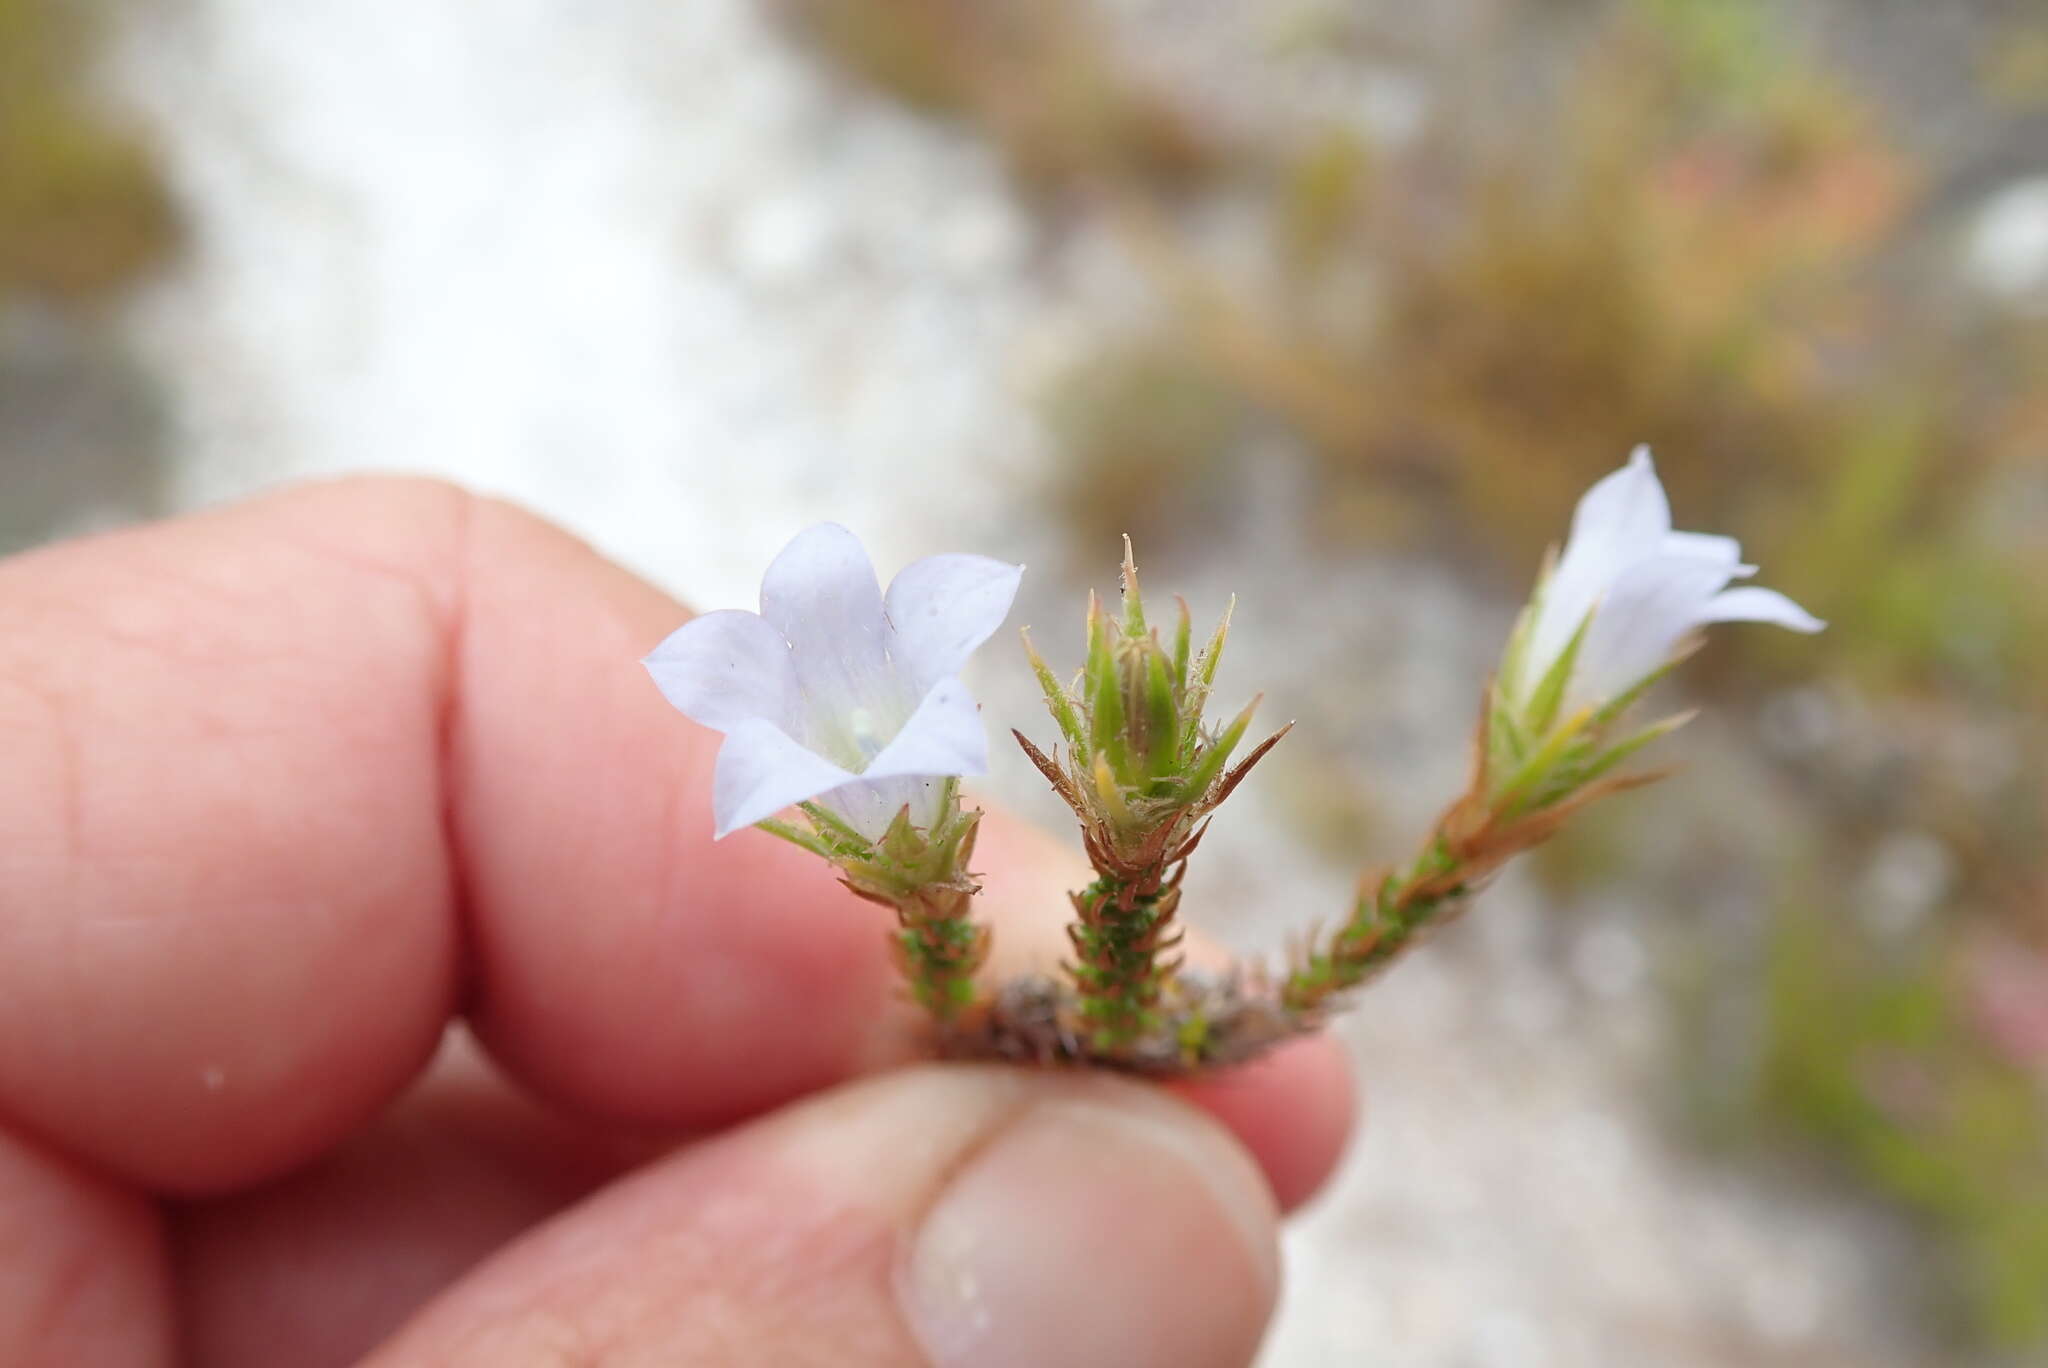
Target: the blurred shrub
(1033, 75)
(1873, 1051)
(82, 211)
(1136, 422)
(1701, 249)
(82, 214)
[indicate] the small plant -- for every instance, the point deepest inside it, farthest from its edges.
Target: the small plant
(845, 703)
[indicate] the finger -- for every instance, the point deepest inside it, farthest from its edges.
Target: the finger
(228, 934)
(936, 1215)
(82, 1269)
(267, 768)
(1294, 1110)
(319, 1266)
(625, 963)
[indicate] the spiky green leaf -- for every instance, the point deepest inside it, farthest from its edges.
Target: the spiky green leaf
(796, 836)
(1058, 701)
(1208, 767)
(1548, 695)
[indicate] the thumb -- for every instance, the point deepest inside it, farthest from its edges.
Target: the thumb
(943, 1215)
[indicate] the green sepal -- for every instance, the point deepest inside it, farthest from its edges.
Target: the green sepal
(1058, 701)
(1622, 750)
(833, 827)
(1134, 601)
(1204, 669)
(1542, 762)
(1104, 694)
(1506, 743)
(1162, 714)
(1209, 767)
(796, 836)
(1614, 707)
(1183, 635)
(1549, 695)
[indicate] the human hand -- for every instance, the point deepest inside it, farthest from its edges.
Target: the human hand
(291, 786)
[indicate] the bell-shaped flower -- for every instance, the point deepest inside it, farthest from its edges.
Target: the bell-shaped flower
(1627, 592)
(835, 692)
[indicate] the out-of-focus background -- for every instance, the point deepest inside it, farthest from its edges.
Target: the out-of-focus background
(1333, 305)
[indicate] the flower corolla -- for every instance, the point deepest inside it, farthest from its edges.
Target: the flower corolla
(1629, 590)
(836, 692)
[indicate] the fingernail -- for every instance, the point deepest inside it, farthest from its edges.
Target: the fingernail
(1123, 1230)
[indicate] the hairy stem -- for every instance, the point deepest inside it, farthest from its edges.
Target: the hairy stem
(939, 949)
(1386, 920)
(1125, 927)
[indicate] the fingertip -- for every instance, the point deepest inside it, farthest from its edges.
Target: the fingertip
(1293, 1109)
(944, 1214)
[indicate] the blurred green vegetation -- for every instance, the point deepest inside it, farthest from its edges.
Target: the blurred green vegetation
(1705, 238)
(83, 214)
(1874, 1052)
(1033, 75)
(82, 209)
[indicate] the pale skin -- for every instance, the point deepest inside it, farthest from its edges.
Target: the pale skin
(288, 788)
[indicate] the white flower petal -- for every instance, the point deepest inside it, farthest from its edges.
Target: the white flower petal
(1709, 547)
(1645, 587)
(724, 668)
(821, 594)
(1623, 518)
(870, 805)
(761, 771)
(943, 607)
(943, 737)
(1640, 621)
(1752, 604)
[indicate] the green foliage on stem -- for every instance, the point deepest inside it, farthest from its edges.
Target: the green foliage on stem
(1142, 769)
(921, 874)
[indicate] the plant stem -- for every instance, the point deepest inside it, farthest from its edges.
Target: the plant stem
(1388, 916)
(939, 948)
(1124, 926)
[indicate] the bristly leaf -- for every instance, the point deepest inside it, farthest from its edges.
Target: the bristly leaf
(797, 837)
(1506, 743)
(1525, 624)
(1134, 601)
(1057, 701)
(1107, 790)
(1207, 769)
(1244, 766)
(963, 843)
(1162, 734)
(948, 807)
(1630, 696)
(900, 840)
(1549, 692)
(1622, 750)
(1541, 762)
(1054, 775)
(1205, 671)
(1104, 694)
(1183, 634)
(833, 827)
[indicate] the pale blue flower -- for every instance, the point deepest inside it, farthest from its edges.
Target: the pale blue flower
(1646, 587)
(832, 691)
